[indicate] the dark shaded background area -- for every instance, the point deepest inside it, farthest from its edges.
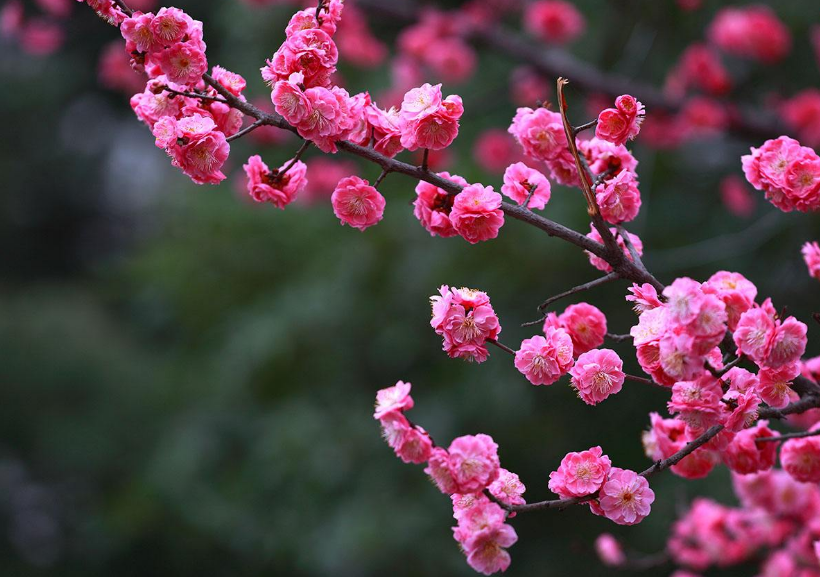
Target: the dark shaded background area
(186, 380)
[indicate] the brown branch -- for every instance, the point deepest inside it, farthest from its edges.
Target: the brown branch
(244, 131)
(305, 145)
(501, 346)
(689, 448)
(194, 95)
(787, 436)
(618, 338)
(645, 381)
(580, 288)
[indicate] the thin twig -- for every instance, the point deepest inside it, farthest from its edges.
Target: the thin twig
(618, 338)
(424, 159)
(644, 380)
(580, 288)
(578, 129)
(246, 130)
(526, 203)
(296, 157)
(124, 7)
(381, 177)
(788, 436)
(501, 346)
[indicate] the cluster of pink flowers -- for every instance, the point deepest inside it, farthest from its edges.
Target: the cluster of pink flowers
(699, 67)
(752, 32)
(619, 198)
(522, 182)
(673, 339)
(777, 516)
(279, 187)
(466, 320)
(428, 121)
(410, 442)
(543, 360)
(622, 123)
(168, 44)
(811, 254)
(436, 43)
(554, 21)
(433, 205)
(787, 172)
(356, 203)
(540, 133)
(107, 10)
(464, 471)
(620, 495)
(476, 214)
(585, 324)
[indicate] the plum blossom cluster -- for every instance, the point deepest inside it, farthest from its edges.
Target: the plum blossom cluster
(554, 21)
(465, 319)
(776, 516)
(280, 186)
(787, 172)
(620, 495)
(752, 31)
(468, 471)
(622, 123)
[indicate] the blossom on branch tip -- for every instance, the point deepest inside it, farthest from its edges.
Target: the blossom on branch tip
(466, 320)
(476, 213)
(278, 187)
(522, 182)
(622, 123)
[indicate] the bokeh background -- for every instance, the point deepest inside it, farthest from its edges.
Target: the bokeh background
(187, 379)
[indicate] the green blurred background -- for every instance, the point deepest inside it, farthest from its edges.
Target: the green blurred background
(187, 379)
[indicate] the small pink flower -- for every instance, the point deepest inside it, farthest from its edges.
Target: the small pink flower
(438, 468)
(622, 123)
(415, 447)
(465, 319)
(745, 412)
(586, 326)
(183, 63)
(495, 150)
(521, 182)
(277, 187)
(476, 214)
(626, 498)
(644, 296)
(609, 550)
(737, 197)
(744, 455)
(789, 343)
(800, 458)
(811, 254)
(392, 399)
(473, 462)
(580, 474)
(752, 31)
(619, 198)
(597, 374)
(202, 157)
(170, 26)
(755, 333)
(290, 101)
(508, 488)
(356, 203)
(138, 33)
(543, 360)
(774, 386)
(540, 133)
(554, 21)
(485, 537)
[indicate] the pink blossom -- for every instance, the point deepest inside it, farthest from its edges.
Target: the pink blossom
(700, 66)
(290, 101)
(789, 343)
(540, 133)
(278, 187)
(597, 374)
(115, 72)
(543, 360)
(427, 121)
(473, 461)
(622, 123)
(644, 296)
(170, 26)
(485, 537)
(801, 113)
(741, 380)
(745, 412)
(580, 474)
(438, 468)
(386, 130)
(476, 214)
(751, 31)
(138, 33)
(230, 81)
(433, 205)
(787, 172)
(800, 458)
(755, 334)
(775, 385)
(586, 326)
(744, 455)
(311, 52)
(619, 198)
(605, 157)
(508, 488)
(202, 156)
(609, 550)
(599, 262)
(704, 117)
(391, 399)
(329, 117)
(736, 291)
(554, 21)
(521, 182)
(465, 319)
(697, 403)
(495, 150)
(684, 300)
(356, 203)
(811, 254)
(626, 498)
(411, 443)
(183, 63)
(527, 86)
